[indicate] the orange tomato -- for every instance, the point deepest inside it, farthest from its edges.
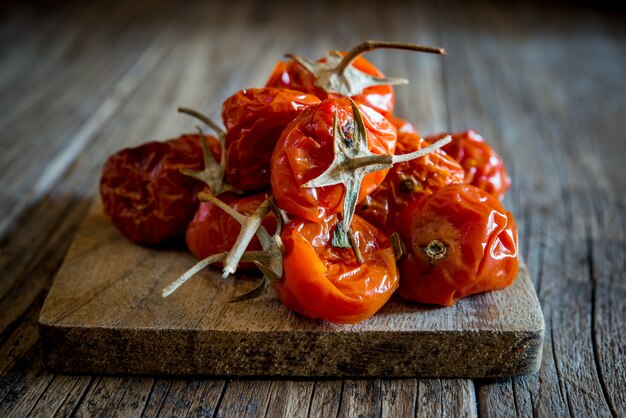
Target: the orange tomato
(459, 241)
(321, 281)
(305, 150)
(483, 166)
(254, 119)
(213, 231)
(144, 193)
(408, 181)
(291, 75)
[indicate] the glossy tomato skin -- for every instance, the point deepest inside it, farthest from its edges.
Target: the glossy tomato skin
(144, 193)
(213, 231)
(402, 125)
(407, 182)
(483, 166)
(291, 75)
(321, 281)
(254, 119)
(305, 150)
(480, 238)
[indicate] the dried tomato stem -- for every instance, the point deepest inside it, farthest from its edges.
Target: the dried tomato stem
(355, 247)
(213, 174)
(208, 197)
(262, 234)
(269, 261)
(208, 121)
(191, 272)
(248, 230)
(435, 250)
(211, 124)
(385, 161)
(372, 45)
(420, 153)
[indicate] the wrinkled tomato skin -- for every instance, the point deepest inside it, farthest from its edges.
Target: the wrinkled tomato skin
(305, 150)
(291, 75)
(483, 167)
(321, 281)
(408, 181)
(144, 193)
(402, 125)
(213, 231)
(481, 241)
(254, 119)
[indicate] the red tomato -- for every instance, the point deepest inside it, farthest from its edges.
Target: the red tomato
(305, 150)
(321, 281)
(292, 75)
(408, 181)
(483, 167)
(403, 125)
(144, 193)
(213, 231)
(459, 241)
(254, 119)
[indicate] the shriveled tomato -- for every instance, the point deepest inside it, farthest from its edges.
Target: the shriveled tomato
(459, 241)
(213, 231)
(321, 281)
(402, 125)
(144, 192)
(408, 181)
(483, 167)
(293, 75)
(345, 74)
(305, 150)
(254, 119)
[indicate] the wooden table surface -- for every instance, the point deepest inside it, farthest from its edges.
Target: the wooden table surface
(544, 83)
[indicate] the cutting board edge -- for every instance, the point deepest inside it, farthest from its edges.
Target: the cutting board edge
(417, 354)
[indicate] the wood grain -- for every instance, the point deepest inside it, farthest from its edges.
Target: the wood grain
(542, 81)
(104, 314)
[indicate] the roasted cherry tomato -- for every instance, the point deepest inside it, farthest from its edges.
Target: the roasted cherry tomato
(254, 119)
(403, 125)
(213, 231)
(305, 150)
(483, 167)
(144, 193)
(459, 241)
(321, 281)
(408, 181)
(294, 76)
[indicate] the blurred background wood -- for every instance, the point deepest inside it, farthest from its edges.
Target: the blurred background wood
(542, 82)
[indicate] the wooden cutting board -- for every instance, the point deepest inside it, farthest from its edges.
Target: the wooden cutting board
(105, 314)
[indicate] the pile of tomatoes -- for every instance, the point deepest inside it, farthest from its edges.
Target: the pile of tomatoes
(318, 184)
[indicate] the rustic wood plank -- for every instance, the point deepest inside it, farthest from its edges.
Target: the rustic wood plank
(571, 361)
(508, 104)
(446, 397)
(31, 273)
(607, 267)
(23, 251)
(110, 318)
(192, 397)
(157, 395)
(26, 391)
(245, 398)
(326, 398)
(61, 396)
(290, 398)
(104, 395)
(207, 398)
(398, 397)
(361, 398)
